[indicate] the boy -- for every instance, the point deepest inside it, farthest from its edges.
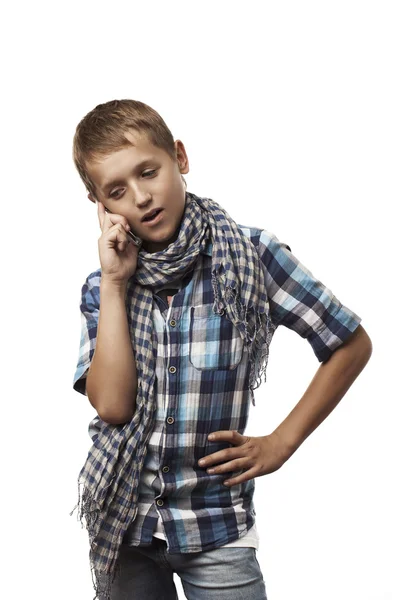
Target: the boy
(175, 339)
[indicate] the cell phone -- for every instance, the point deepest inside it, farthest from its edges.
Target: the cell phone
(135, 239)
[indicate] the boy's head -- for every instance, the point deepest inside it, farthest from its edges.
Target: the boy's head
(127, 158)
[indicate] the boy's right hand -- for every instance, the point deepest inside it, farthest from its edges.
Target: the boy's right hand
(118, 254)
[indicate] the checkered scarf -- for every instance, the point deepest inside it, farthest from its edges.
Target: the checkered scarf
(111, 473)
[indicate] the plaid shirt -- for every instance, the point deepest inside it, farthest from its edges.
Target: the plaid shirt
(202, 377)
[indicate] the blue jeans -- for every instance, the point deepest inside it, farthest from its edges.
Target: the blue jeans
(220, 574)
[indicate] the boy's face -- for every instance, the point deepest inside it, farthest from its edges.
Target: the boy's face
(140, 178)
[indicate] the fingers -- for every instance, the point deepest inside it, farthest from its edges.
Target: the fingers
(118, 236)
(246, 476)
(107, 219)
(220, 456)
(100, 213)
(233, 465)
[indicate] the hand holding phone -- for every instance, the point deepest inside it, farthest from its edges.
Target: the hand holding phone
(135, 239)
(118, 250)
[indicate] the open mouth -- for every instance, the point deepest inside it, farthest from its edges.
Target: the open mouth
(152, 216)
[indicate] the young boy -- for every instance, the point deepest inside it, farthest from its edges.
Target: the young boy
(175, 339)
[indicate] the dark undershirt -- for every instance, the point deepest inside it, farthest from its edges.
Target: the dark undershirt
(167, 293)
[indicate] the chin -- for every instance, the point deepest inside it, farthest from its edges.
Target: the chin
(159, 237)
(166, 234)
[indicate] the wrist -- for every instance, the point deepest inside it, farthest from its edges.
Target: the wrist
(107, 283)
(287, 446)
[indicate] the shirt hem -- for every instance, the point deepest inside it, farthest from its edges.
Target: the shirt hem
(197, 548)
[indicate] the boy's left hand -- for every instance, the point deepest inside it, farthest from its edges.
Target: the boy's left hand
(258, 455)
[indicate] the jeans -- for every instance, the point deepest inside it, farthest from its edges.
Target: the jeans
(146, 573)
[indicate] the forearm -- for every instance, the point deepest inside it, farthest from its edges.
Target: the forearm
(111, 382)
(328, 386)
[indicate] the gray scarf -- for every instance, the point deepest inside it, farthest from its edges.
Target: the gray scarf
(111, 473)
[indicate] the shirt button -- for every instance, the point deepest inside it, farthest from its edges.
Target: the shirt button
(160, 502)
(165, 469)
(172, 322)
(172, 369)
(170, 420)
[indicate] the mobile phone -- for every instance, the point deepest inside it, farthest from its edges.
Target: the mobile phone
(135, 239)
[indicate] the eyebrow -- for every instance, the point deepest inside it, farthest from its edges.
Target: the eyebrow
(108, 184)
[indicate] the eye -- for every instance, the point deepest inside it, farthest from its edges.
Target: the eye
(113, 194)
(145, 174)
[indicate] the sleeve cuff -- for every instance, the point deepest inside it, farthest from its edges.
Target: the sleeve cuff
(79, 381)
(335, 331)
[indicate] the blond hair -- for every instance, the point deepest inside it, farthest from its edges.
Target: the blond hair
(102, 130)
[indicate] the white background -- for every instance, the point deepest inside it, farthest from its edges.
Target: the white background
(289, 112)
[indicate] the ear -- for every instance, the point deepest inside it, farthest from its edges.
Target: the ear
(181, 157)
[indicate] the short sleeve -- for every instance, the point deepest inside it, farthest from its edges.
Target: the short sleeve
(89, 307)
(301, 302)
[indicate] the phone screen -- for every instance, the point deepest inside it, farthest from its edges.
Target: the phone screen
(135, 239)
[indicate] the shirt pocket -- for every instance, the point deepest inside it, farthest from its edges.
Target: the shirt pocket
(214, 341)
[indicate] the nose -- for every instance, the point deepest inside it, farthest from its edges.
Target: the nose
(141, 197)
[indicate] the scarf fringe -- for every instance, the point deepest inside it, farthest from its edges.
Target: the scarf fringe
(95, 508)
(88, 509)
(256, 328)
(260, 353)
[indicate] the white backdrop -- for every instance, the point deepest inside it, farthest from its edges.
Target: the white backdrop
(289, 113)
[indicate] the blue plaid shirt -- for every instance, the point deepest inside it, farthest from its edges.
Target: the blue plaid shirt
(202, 385)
